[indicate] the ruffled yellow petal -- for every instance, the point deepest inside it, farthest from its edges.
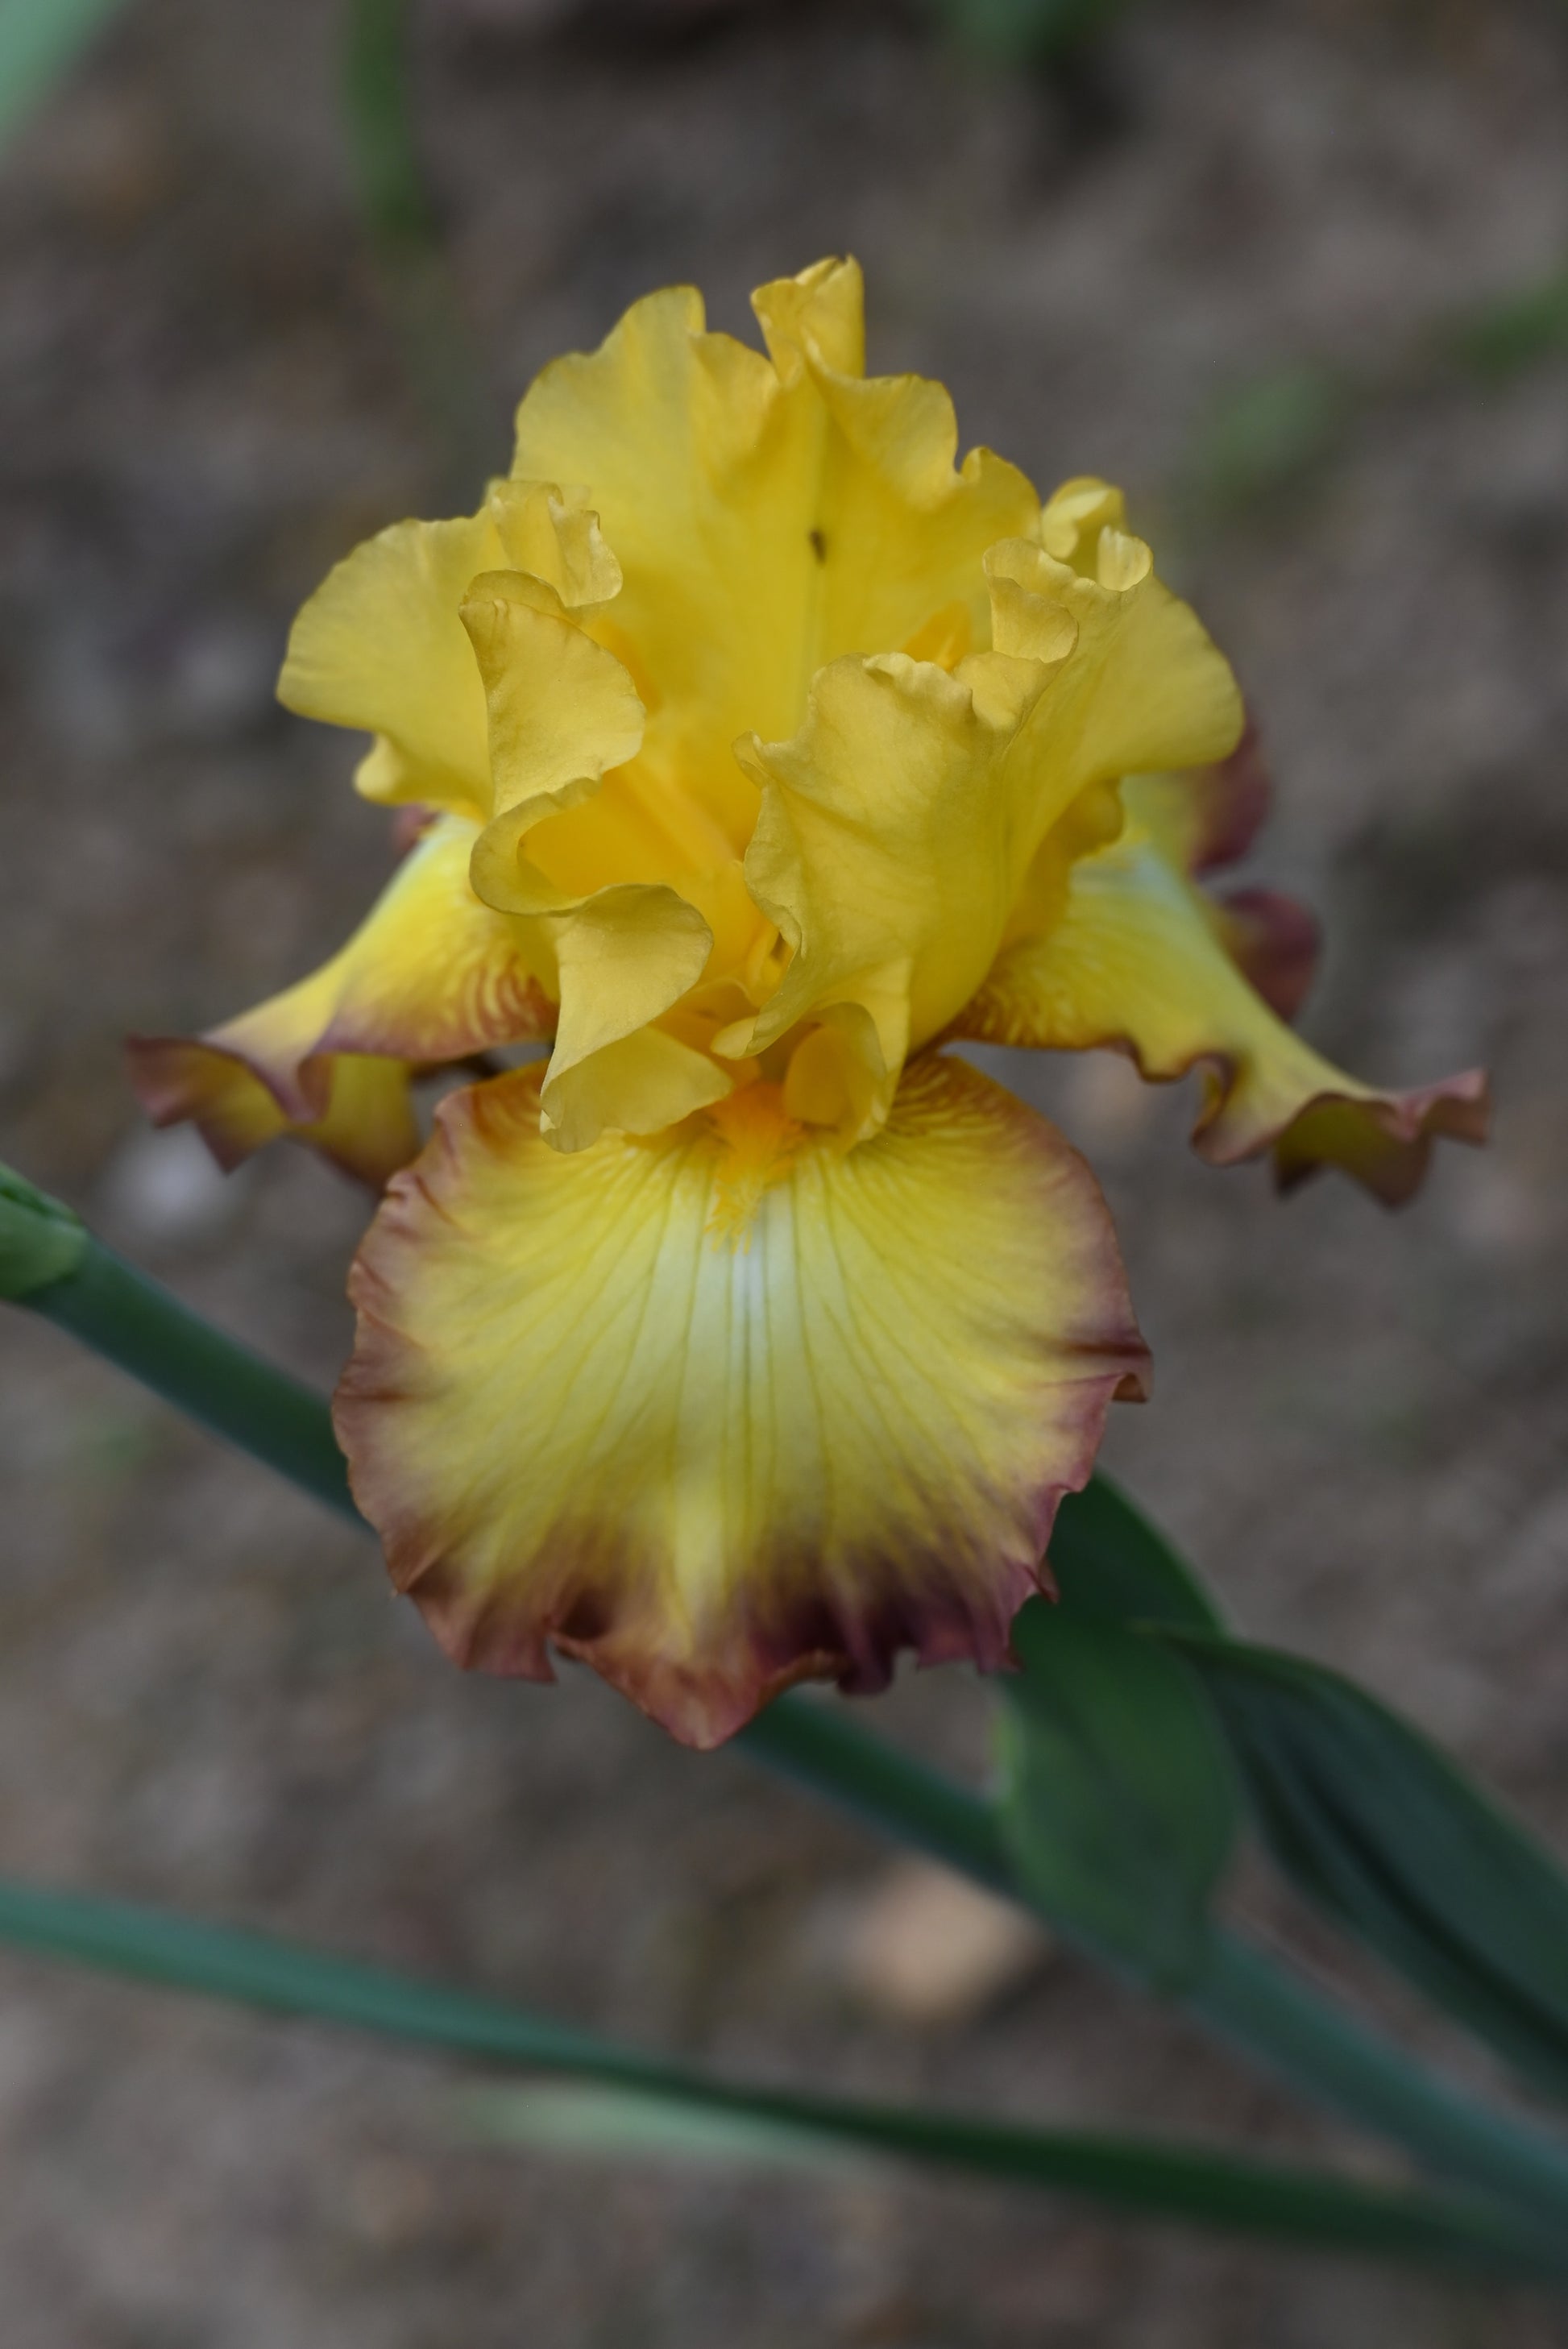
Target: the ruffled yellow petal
(769, 513)
(886, 853)
(1140, 959)
(578, 1413)
(431, 975)
(380, 646)
(899, 527)
(1145, 689)
(625, 957)
(559, 711)
(563, 711)
(920, 819)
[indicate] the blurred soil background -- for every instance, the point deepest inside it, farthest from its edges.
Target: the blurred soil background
(1182, 266)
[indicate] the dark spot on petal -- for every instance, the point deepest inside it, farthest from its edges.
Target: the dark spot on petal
(819, 545)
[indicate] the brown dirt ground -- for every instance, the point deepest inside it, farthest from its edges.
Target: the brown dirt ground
(205, 1695)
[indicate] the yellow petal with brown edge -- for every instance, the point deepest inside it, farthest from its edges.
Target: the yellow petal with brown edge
(767, 518)
(431, 976)
(363, 1118)
(1139, 960)
(380, 647)
(579, 1418)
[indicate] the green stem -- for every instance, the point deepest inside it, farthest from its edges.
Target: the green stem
(1273, 2199)
(116, 1309)
(1249, 2000)
(808, 1739)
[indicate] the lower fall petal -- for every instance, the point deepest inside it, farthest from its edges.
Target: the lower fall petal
(1142, 959)
(713, 1448)
(431, 976)
(356, 1110)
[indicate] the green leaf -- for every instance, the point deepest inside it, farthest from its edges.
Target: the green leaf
(599, 2124)
(41, 1241)
(1384, 1833)
(1287, 2204)
(1120, 1805)
(1260, 2007)
(1112, 1564)
(39, 41)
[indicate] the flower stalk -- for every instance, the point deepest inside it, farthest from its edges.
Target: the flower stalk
(52, 1264)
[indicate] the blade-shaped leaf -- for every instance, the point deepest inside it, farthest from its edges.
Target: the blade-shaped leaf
(1381, 1829)
(1109, 1562)
(1262, 2197)
(1121, 1803)
(591, 2122)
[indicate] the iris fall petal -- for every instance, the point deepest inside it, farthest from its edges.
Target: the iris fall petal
(1140, 958)
(581, 1414)
(431, 976)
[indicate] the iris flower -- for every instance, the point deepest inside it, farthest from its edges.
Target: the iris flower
(753, 754)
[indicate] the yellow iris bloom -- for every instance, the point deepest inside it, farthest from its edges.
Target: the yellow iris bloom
(759, 753)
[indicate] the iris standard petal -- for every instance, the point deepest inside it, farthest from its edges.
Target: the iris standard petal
(563, 711)
(1140, 959)
(884, 852)
(919, 819)
(431, 976)
(727, 1410)
(769, 513)
(1145, 688)
(380, 646)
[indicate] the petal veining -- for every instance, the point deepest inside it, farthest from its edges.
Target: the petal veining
(580, 1416)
